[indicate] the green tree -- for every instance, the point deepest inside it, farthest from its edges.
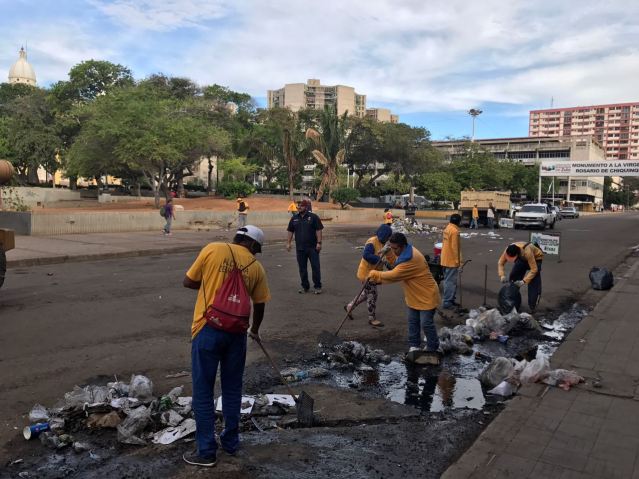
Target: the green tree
(439, 186)
(329, 139)
(31, 141)
(364, 149)
(345, 195)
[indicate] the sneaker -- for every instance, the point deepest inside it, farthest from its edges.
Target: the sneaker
(317, 291)
(414, 348)
(302, 291)
(195, 460)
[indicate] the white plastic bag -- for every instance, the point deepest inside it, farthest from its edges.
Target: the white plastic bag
(498, 370)
(133, 425)
(504, 388)
(536, 370)
(141, 388)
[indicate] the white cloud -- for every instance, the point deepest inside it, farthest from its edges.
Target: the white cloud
(418, 55)
(163, 15)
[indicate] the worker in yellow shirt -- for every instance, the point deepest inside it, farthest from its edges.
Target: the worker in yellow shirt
(292, 208)
(474, 222)
(242, 211)
(388, 217)
(375, 256)
(421, 292)
(213, 345)
(451, 260)
(527, 259)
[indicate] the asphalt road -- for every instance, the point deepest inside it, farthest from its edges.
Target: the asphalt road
(68, 324)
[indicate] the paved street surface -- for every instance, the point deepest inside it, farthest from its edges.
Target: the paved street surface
(66, 324)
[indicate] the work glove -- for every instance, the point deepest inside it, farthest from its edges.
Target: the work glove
(519, 283)
(503, 279)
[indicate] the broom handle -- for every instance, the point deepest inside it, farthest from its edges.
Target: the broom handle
(270, 360)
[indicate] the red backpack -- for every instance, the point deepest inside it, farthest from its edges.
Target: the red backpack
(231, 308)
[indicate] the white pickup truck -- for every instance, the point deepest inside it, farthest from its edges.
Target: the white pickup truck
(534, 214)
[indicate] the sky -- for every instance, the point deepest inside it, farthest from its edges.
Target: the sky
(430, 61)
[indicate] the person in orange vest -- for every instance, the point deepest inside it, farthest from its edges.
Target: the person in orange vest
(388, 217)
(474, 221)
(451, 260)
(292, 208)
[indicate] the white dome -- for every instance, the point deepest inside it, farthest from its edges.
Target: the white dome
(21, 71)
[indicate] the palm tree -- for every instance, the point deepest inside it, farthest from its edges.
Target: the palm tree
(329, 152)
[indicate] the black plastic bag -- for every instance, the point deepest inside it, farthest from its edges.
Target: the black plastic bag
(509, 298)
(601, 278)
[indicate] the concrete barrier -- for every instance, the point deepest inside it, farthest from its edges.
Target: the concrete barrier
(18, 221)
(44, 224)
(34, 196)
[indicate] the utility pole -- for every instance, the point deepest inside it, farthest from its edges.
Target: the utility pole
(474, 112)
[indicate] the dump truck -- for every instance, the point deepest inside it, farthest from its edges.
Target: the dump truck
(7, 236)
(500, 201)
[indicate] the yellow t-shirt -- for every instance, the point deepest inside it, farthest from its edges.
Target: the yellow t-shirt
(211, 266)
(420, 289)
(365, 267)
(451, 249)
(292, 208)
(388, 218)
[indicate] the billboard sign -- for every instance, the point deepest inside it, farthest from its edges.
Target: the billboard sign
(589, 168)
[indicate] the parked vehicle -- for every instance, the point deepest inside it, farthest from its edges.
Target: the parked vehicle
(500, 201)
(534, 214)
(555, 213)
(569, 212)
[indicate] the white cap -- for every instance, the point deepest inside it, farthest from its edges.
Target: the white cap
(252, 232)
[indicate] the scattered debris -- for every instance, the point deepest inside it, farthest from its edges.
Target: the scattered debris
(137, 420)
(181, 374)
(172, 434)
(100, 421)
(38, 413)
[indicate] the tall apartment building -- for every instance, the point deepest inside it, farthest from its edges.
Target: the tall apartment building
(382, 114)
(312, 94)
(615, 127)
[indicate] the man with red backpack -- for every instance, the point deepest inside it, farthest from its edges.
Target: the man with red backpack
(228, 278)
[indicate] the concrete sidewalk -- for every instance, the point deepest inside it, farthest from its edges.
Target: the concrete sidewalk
(40, 250)
(591, 431)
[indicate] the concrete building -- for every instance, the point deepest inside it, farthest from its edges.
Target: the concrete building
(530, 151)
(21, 71)
(615, 126)
(312, 94)
(382, 114)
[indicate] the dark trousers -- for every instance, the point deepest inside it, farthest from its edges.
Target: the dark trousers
(212, 348)
(534, 287)
(312, 255)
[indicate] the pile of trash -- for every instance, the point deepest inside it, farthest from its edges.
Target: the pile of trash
(457, 340)
(411, 226)
(352, 354)
(134, 412)
(492, 324)
(505, 375)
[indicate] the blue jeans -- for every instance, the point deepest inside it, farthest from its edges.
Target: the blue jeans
(210, 348)
(473, 223)
(450, 286)
(418, 320)
(303, 257)
(491, 223)
(167, 226)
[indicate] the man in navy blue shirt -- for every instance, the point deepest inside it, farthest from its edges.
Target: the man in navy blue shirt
(307, 228)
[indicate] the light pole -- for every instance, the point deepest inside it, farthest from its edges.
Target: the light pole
(474, 112)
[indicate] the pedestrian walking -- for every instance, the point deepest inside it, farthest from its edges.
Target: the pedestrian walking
(490, 216)
(474, 222)
(375, 256)
(526, 259)
(219, 335)
(388, 217)
(292, 208)
(421, 292)
(169, 215)
(307, 228)
(450, 260)
(242, 211)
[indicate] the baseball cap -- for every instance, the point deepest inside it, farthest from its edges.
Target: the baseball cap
(254, 233)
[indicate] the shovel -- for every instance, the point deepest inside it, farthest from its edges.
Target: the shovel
(304, 402)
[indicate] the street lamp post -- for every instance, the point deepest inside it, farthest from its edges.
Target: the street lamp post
(474, 112)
